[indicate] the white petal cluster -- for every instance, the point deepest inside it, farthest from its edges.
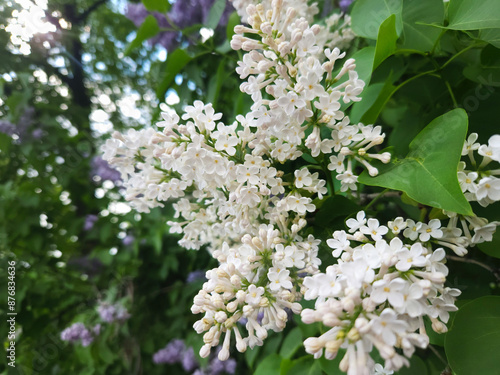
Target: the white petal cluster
(234, 195)
(257, 280)
(378, 293)
(290, 63)
(481, 184)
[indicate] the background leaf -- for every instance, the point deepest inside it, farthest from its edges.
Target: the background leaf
(270, 365)
(162, 6)
(292, 342)
(148, 29)
(386, 40)
(368, 15)
(415, 35)
(175, 62)
(215, 13)
(472, 343)
(473, 14)
(428, 174)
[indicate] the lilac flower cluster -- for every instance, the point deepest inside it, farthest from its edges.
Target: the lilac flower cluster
(184, 13)
(21, 128)
(78, 332)
(177, 352)
(112, 313)
(108, 313)
(345, 4)
(90, 220)
(194, 276)
(100, 167)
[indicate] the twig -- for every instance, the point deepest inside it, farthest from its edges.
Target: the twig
(493, 270)
(373, 196)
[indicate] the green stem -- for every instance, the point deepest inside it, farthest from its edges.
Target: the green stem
(473, 45)
(375, 199)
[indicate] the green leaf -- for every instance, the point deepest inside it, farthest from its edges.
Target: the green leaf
(371, 115)
(492, 248)
(215, 14)
(472, 343)
(370, 95)
(148, 29)
(417, 367)
(364, 63)
(428, 174)
(234, 20)
(473, 14)
(291, 343)
(485, 76)
(334, 207)
(386, 40)
(368, 15)
(175, 62)
(331, 366)
(162, 6)
(251, 355)
(305, 366)
(270, 365)
(217, 81)
(417, 36)
(285, 365)
(491, 36)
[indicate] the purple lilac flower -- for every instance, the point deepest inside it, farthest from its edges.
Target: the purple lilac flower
(86, 337)
(73, 332)
(345, 4)
(128, 240)
(112, 313)
(23, 124)
(188, 361)
(122, 313)
(89, 222)
(194, 276)
(106, 313)
(230, 366)
(37, 133)
(7, 128)
(184, 13)
(172, 353)
(77, 332)
(216, 366)
(96, 329)
(101, 168)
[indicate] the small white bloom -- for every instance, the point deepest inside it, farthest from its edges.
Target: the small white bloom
(397, 225)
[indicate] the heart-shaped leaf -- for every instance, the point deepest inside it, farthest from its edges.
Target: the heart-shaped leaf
(368, 15)
(473, 14)
(472, 343)
(428, 174)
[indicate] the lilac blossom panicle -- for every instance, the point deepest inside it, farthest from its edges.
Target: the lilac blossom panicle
(101, 168)
(21, 128)
(112, 313)
(90, 220)
(177, 352)
(194, 276)
(172, 353)
(78, 332)
(7, 127)
(188, 361)
(128, 240)
(184, 13)
(345, 4)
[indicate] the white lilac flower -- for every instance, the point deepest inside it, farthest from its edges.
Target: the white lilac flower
(376, 296)
(397, 225)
